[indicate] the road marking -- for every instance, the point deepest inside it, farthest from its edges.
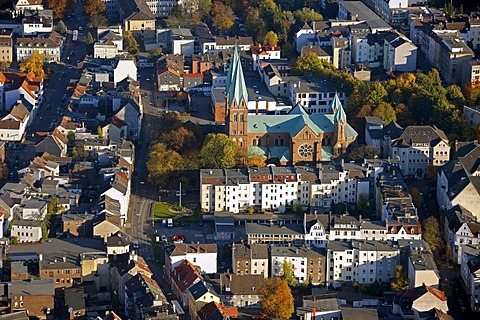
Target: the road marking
(198, 235)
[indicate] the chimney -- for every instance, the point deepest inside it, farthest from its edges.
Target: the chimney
(40, 257)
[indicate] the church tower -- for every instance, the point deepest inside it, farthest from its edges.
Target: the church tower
(339, 127)
(236, 123)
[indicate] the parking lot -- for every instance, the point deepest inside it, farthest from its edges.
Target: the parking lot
(194, 231)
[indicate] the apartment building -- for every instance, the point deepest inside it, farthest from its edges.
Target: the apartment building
(6, 46)
(202, 255)
(471, 72)
(362, 261)
(422, 269)
(51, 47)
(400, 54)
(308, 264)
(470, 274)
(250, 259)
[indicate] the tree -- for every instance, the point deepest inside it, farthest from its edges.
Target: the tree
(364, 207)
(431, 233)
(58, 7)
(218, 151)
(276, 299)
(404, 116)
(93, 7)
(385, 112)
(90, 39)
(78, 151)
(472, 93)
(71, 137)
(180, 140)
(307, 15)
(4, 171)
(455, 96)
(98, 19)
(416, 197)
(100, 133)
(130, 43)
(202, 11)
(271, 38)
(163, 164)
(178, 12)
(61, 27)
(223, 17)
(34, 64)
(14, 240)
(288, 276)
(155, 54)
(364, 152)
(400, 281)
(432, 172)
(54, 206)
(44, 227)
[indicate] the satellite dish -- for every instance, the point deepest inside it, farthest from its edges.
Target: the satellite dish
(70, 310)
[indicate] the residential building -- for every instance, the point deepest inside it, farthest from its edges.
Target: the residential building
(417, 147)
(37, 22)
(182, 42)
(456, 182)
(120, 190)
(117, 244)
(400, 54)
(324, 306)
(200, 294)
(202, 255)
(241, 290)
(76, 225)
(6, 46)
(416, 303)
(470, 72)
(54, 143)
(271, 234)
(142, 292)
(113, 128)
(51, 48)
(422, 270)
(26, 230)
(214, 310)
(162, 8)
(374, 132)
(357, 11)
(470, 274)
(20, 6)
(23, 87)
(250, 259)
(32, 209)
(75, 302)
(137, 18)
(303, 36)
(309, 264)
(182, 278)
(230, 43)
(472, 115)
(109, 43)
(362, 261)
(34, 296)
(13, 125)
(266, 52)
(123, 270)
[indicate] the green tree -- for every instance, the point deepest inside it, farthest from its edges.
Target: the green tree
(61, 27)
(288, 276)
(385, 112)
(276, 299)
(130, 43)
(100, 133)
(14, 240)
(98, 20)
(178, 11)
(364, 207)
(44, 227)
(71, 137)
(455, 96)
(400, 281)
(34, 64)
(89, 39)
(203, 10)
(375, 93)
(78, 151)
(218, 151)
(155, 54)
(54, 206)
(363, 152)
(307, 15)
(271, 38)
(163, 164)
(223, 17)
(431, 233)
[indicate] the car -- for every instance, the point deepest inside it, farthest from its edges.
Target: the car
(176, 224)
(135, 244)
(164, 238)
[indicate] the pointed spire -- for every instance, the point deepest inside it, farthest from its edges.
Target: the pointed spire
(335, 103)
(340, 114)
(235, 84)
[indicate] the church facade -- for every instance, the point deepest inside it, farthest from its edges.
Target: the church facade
(288, 139)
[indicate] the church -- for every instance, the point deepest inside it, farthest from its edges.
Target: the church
(287, 139)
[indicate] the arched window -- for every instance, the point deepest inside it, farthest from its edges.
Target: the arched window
(254, 142)
(241, 118)
(276, 141)
(282, 142)
(259, 142)
(235, 117)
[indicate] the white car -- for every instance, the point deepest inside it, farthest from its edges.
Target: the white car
(164, 238)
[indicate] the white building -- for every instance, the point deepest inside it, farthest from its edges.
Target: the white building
(200, 255)
(14, 124)
(422, 270)
(51, 47)
(363, 261)
(303, 37)
(400, 54)
(33, 210)
(23, 87)
(120, 191)
(109, 42)
(266, 52)
(374, 132)
(470, 274)
(182, 42)
(124, 68)
(20, 6)
(162, 8)
(37, 22)
(472, 115)
(26, 230)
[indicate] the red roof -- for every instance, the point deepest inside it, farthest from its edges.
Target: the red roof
(184, 275)
(264, 49)
(440, 295)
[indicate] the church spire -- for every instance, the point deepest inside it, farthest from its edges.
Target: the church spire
(339, 113)
(235, 84)
(335, 103)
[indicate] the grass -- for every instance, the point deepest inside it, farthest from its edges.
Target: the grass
(161, 211)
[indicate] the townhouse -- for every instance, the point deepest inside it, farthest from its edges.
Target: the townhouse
(415, 302)
(34, 296)
(119, 190)
(400, 54)
(250, 259)
(183, 276)
(142, 292)
(50, 48)
(6, 46)
(20, 86)
(200, 294)
(14, 125)
(241, 290)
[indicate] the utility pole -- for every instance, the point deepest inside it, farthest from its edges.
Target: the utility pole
(180, 196)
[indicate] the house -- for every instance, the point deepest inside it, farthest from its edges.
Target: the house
(308, 264)
(374, 132)
(470, 274)
(54, 143)
(250, 259)
(124, 68)
(142, 292)
(131, 114)
(303, 36)
(170, 72)
(118, 244)
(400, 54)
(358, 11)
(104, 228)
(34, 296)
(6, 46)
(471, 72)
(50, 47)
(137, 18)
(456, 182)
(119, 190)
(418, 147)
(14, 124)
(122, 270)
(26, 230)
(214, 310)
(20, 6)
(37, 22)
(324, 306)
(266, 52)
(417, 302)
(460, 227)
(109, 43)
(202, 255)
(115, 129)
(77, 225)
(199, 295)
(182, 277)
(241, 290)
(20, 86)
(182, 42)
(422, 270)
(32, 209)
(229, 43)
(75, 302)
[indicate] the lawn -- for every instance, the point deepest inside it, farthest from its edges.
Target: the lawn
(161, 211)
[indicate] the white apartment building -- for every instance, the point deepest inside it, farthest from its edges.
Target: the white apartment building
(470, 274)
(307, 263)
(400, 54)
(422, 270)
(51, 48)
(162, 8)
(266, 52)
(201, 255)
(361, 261)
(26, 230)
(36, 22)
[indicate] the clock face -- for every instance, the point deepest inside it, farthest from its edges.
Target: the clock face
(305, 150)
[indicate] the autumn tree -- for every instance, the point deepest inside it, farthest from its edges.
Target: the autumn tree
(400, 281)
(100, 133)
(34, 64)
(385, 112)
(130, 43)
(61, 27)
(276, 299)
(155, 54)
(218, 151)
(98, 19)
(255, 160)
(54, 206)
(288, 270)
(363, 152)
(472, 93)
(416, 197)
(58, 7)
(179, 140)
(404, 116)
(202, 10)
(93, 7)
(223, 17)
(163, 164)
(271, 38)
(44, 227)
(431, 233)
(4, 171)
(307, 15)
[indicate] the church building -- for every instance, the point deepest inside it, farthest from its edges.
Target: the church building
(288, 139)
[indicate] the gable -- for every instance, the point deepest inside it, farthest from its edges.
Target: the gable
(305, 134)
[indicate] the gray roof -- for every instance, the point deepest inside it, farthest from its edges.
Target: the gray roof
(322, 303)
(33, 287)
(250, 251)
(75, 298)
(256, 228)
(296, 252)
(50, 246)
(423, 261)
(198, 290)
(26, 223)
(118, 240)
(359, 11)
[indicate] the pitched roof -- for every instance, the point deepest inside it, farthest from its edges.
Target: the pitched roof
(181, 249)
(241, 284)
(235, 84)
(115, 121)
(184, 275)
(20, 112)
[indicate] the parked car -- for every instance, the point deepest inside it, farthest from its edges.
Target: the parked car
(178, 237)
(164, 238)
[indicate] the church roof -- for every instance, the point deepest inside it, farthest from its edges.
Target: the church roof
(236, 87)
(294, 122)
